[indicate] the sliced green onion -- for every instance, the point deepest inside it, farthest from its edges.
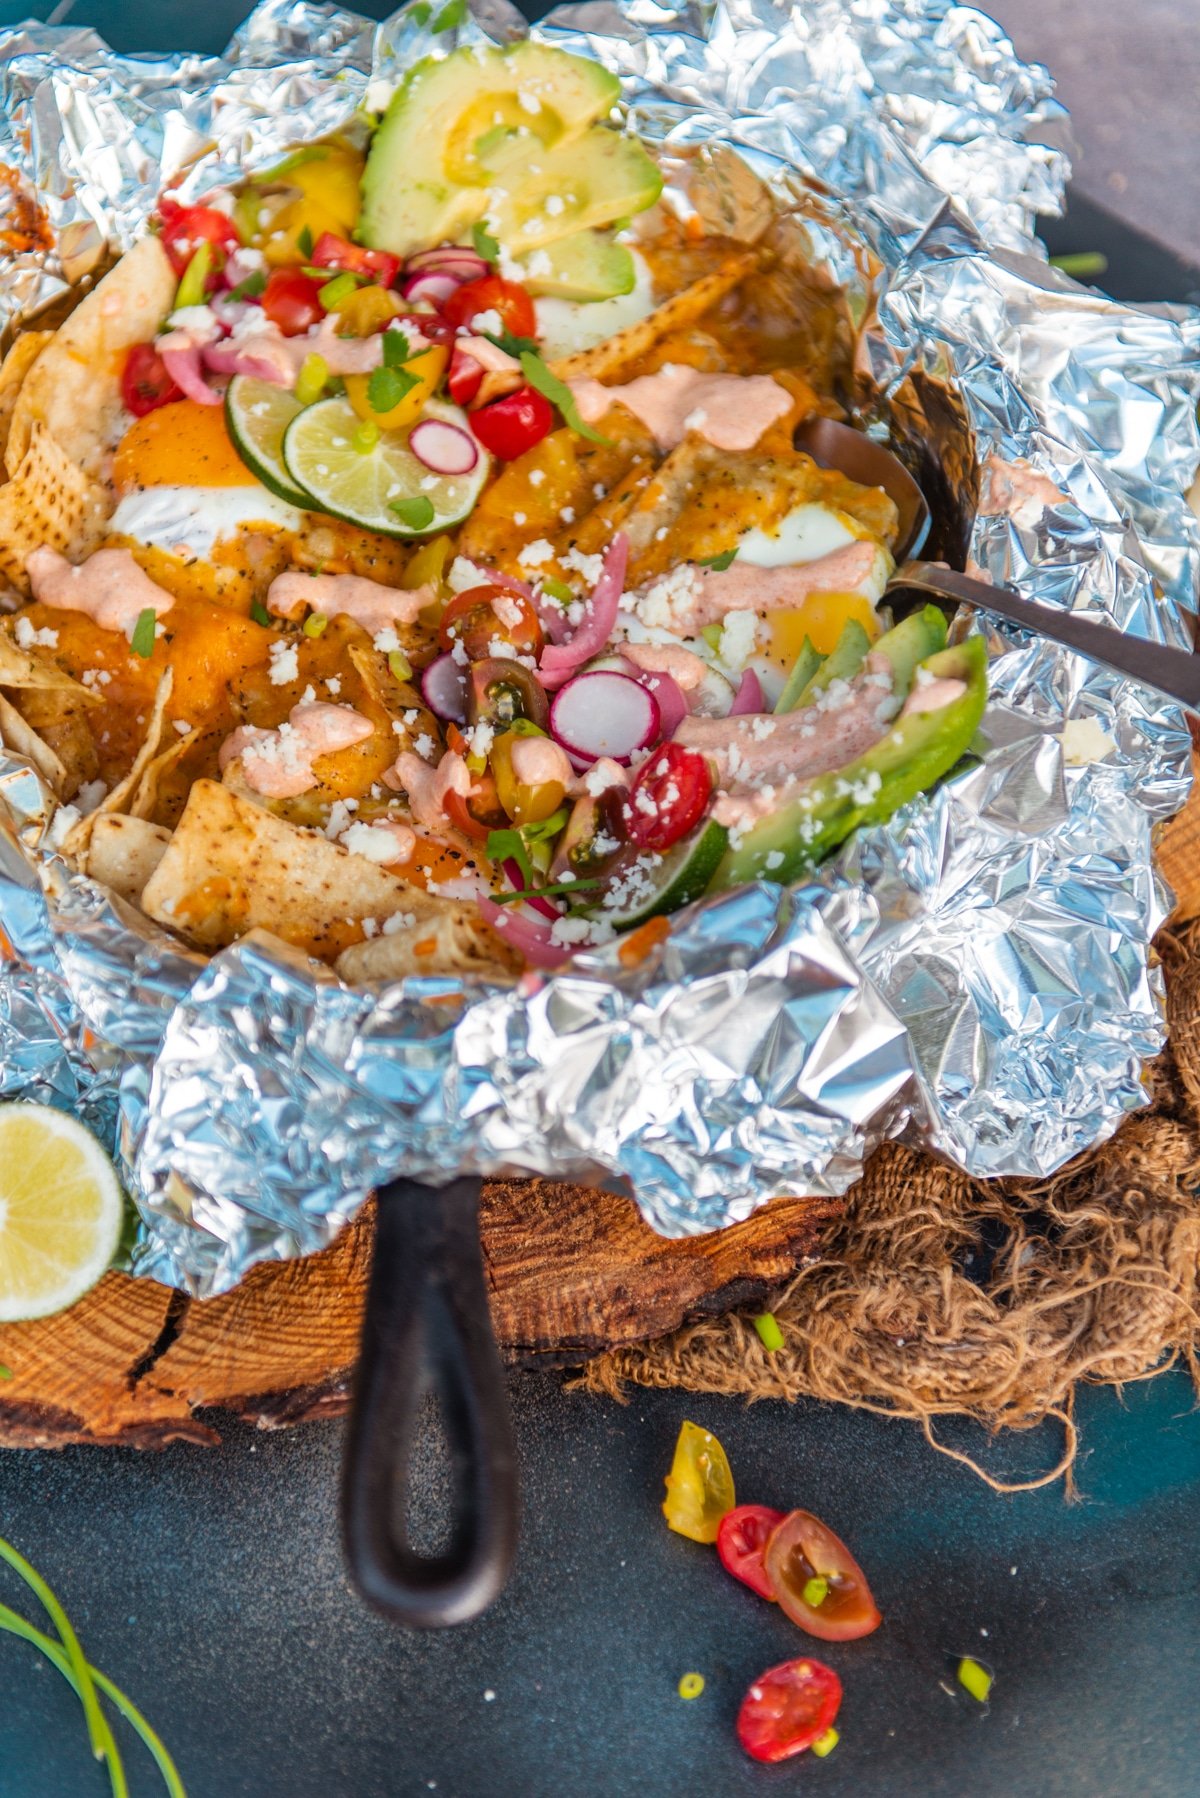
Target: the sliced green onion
(6, 1373)
(712, 634)
(416, 511)
(691, 1685)
(1081, 262)
(142, 640)
(400, 665)
(546, 827)
(769, 1333)
(259, 612)
(314, 624)
(974, 1678)
(339, 289)
(718, 563)
(553, 589)
(304, 243)
(816, 1591)
(532, 892)
(366, 435)
(452, 15)
(827, 1743)
(193, 284)
(310, 382)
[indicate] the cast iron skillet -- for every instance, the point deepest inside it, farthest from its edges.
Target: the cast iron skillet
(427, 1310)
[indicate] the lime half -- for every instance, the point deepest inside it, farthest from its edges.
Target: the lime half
(257, 413)
(61, 1211)
(375, 486)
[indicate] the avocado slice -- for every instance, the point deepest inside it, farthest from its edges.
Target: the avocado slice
(802, 670)
(585, 266)
(458, 124)
(576, 186)
(911, 758)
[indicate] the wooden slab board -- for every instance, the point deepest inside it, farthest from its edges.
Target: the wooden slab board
(571, 1271)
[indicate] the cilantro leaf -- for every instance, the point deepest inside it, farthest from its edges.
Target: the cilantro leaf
(395, 349)
(509, 845)
(142, 640)
(718, 563)
(416, 511)
(485, 244)
(388, 386)
(304, 243)
(250, 288)
(559, 394)
(452, 15)
(259, 613)
(512, 346)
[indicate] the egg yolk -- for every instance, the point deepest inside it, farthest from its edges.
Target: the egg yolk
(821, 619)
(180, 445)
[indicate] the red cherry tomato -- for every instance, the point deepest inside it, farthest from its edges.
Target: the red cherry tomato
(464, 378)
(481, 616)
(290, 301)
(509, 427)
(480, 813)
(331, 251)
(432, 328)
(818, 1582)
(668, 798)
(185, 228)
(145, 383)
(741, 1539)
(787, 1709)
(492, 293)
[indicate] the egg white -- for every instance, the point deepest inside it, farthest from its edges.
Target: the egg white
(567, 326)
(191, 521)
(807, 533)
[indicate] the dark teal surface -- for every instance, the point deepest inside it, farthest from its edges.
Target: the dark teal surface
(210, 1583)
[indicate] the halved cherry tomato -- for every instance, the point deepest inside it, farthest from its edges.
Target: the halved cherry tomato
(492, 293)
(502, 691)
(699, 1485)
(787, 1709)
(431, 327)
(741, 1539)
(290, 301)
(185, 228)
(478, 814)
(331, 251)
(465, 377)
(526, 802)
(481, 616)
(818, 1582)
(668, 798)
(512, 425)
(145, 383)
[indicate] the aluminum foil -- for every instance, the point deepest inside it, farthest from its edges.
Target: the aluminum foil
(978, 972)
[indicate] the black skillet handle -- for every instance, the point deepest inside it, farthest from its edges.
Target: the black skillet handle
(427, 1310)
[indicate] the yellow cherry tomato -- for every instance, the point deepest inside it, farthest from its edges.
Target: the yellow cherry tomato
(332, 181)
(699, 1485)
(282, 230)
(427, 565)
(821, 619)
(428, 366)
(367, 309)
(525, 804)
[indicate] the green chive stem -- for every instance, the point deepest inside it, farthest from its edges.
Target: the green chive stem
(769, 1333)
(99, 1734)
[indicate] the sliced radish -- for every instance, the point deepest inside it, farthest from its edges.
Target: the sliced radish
(431, 285)
(749, 696)
(713, 697)
(227, 359)
(672, 706)
(442, 447)
(604, 714)
(444, 686)
(561, 660)
(450, 257)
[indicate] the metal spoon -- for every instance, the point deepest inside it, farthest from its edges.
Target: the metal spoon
(1173, 672)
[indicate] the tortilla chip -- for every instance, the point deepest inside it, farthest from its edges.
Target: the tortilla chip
(13, 370)
(126, 796)
(446, 936)
(49, 501)
(74, 387)
(620, 354)
(62, 723)
(22, 739)
(233, 867)
(118, 851)
(22, 669)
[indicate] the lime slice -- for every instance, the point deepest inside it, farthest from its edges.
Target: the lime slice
(363, 486)
(257, 413)
(61, 1211)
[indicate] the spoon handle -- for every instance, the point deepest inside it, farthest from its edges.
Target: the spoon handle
(1173, 672)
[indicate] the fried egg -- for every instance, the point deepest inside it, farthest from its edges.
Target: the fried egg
(184, 489)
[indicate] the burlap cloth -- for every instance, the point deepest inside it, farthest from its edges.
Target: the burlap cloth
(939, 1295)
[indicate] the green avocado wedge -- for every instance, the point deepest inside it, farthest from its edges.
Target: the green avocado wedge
(842, 663)
(911, 758)
(800, 674)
